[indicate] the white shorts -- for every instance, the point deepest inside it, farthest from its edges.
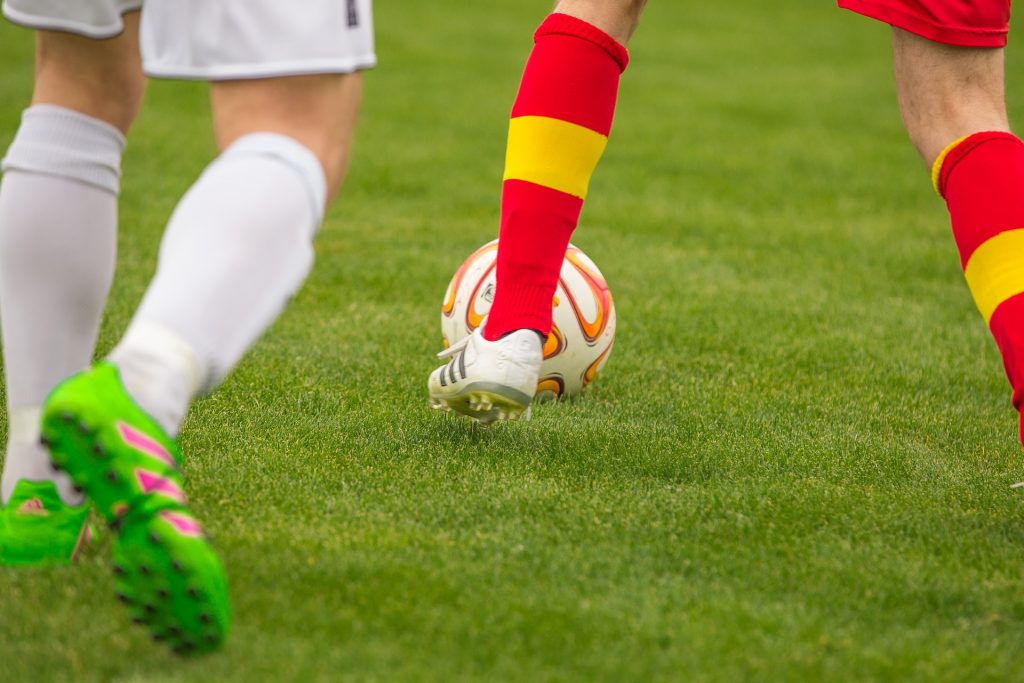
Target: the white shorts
(222, 39)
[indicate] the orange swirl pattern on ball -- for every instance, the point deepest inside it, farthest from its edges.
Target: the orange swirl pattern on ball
(473, 319)
(591, 372)
(552, 383)
(602, 295)
(554, 344)
(448, 307)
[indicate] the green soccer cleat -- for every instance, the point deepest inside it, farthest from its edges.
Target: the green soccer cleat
(37, 528)
(167, 573)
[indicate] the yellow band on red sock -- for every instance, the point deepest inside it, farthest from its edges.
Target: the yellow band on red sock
(553, 153)
(995, 271)
(939, 160)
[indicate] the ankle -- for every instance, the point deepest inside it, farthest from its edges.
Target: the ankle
(160, 371)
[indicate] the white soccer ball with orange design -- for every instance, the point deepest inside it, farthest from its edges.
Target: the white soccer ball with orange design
(583, 317)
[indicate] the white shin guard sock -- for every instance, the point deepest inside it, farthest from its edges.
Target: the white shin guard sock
(238, 246)
(58, 241)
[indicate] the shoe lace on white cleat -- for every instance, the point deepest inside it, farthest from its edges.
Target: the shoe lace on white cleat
(454, 348)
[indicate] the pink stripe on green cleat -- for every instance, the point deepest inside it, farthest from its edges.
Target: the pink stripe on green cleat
(168, 574)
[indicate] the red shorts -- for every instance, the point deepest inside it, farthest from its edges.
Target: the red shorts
(969, 23)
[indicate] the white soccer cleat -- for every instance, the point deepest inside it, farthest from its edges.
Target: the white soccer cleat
(488, 380)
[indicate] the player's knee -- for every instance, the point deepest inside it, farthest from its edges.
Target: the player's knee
(634, 8)
(947, 92)
(619, 18)
(630, 12)
(319, 112)
(86, 76)
(619, 8)
(934, 121)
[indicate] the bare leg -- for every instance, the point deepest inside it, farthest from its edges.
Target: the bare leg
(617, 18)
(319, 112)
(946, 92)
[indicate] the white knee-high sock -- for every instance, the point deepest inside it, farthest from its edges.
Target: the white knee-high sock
(58, 242)
(237, 248)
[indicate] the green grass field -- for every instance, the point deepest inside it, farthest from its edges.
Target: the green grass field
(796, 466)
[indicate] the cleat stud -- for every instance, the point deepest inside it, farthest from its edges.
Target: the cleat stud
(124, 598)
(45, 442)
(154, 539)
(211, 638)
(112, 477)
(177, 566)
(157, 637)
(99, 450)
(193, 592)
(185, 648)
(55, 467)
(150, 609)
(77, 489)
(144, 568)
(204, 618)
(163, 593)
(138, 620)
(119, 570)
(67, 417)
(84, 428)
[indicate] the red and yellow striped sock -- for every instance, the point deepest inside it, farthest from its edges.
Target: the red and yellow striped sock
(981, 178)
(559, 129)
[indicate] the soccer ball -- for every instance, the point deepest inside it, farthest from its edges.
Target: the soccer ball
(583, 316)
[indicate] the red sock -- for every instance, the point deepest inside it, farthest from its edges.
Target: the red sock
(559, 128)
(982, 179)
